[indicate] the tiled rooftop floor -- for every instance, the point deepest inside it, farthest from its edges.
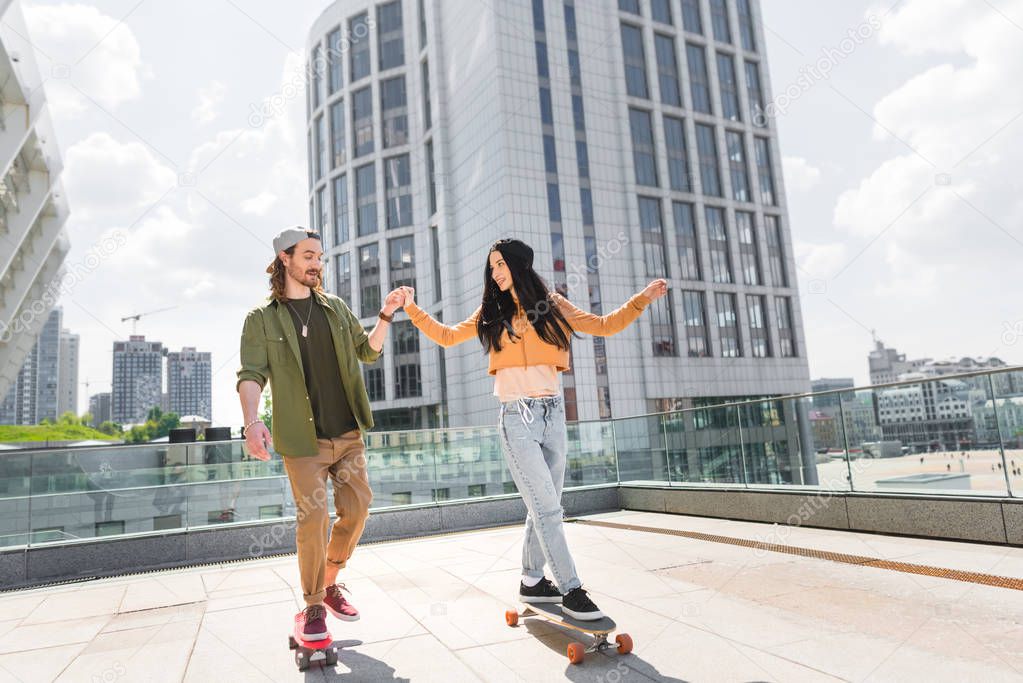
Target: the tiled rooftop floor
(433, 610)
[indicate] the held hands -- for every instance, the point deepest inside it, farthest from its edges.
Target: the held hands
(656, 289)
(257, 439)
(394, 300)
(409, 294)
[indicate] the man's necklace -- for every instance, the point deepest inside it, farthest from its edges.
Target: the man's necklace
(305, 325)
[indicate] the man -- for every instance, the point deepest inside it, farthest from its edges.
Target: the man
(307, 344)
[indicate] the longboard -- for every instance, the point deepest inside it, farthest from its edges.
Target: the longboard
(309, 652)
(598, 628)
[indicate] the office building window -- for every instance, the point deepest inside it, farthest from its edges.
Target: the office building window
(337, 134)
(369, 279)
(728, 326)
(667, 70)
(759, 338)
(366, 199)
(695, 318)
(427, 111)
(374, 379)
(653, 236)
(317, 66)
(335, 68)
(358, 32)
(407, 381)
(764, 172)
(775, 251)
(748, 250)
(403, 262)
(719, 21)
(643, 153)
(662, 326)
(729, 87)
(389, 35)
(678, 158)
(786, 336)
(737, 166)
(660, 10)
(755, 93)
(746, 31)
(699, 82)
(435, 245)
(691, 16)
(398, 186)
(717, 236)
(707, 151)
(635, 61)
(343, 276)
(362, 121)
(422, 25)
(629, 6)
(321, 147)
(394, 105)
(341, 232)
(688, 243)
(431, 180)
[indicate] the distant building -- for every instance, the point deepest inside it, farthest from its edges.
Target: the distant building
(189, 382)
(932, 415)
(826, 432)
(829, 384)
(137, 382)
(67, 379)
(33, 396)
(99, 408)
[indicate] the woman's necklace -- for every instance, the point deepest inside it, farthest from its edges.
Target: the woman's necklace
(305, 325)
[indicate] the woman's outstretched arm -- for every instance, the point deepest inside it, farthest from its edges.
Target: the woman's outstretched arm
(445, 335)
(615, 321)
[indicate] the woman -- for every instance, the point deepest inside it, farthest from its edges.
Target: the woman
(526, 331)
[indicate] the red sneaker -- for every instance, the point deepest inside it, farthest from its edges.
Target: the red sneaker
(314, 623)
(338, 606)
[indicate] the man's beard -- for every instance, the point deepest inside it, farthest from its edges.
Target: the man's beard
(309, 278)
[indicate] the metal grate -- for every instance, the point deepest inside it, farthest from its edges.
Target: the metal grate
(862, 560)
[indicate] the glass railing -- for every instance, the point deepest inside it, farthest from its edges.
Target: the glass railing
(951, 435)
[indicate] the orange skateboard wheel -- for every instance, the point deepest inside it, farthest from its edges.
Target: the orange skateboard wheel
(576, 653)
(511, 617)
(624, 641)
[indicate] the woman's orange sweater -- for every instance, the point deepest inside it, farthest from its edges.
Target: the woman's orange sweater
(528, 348)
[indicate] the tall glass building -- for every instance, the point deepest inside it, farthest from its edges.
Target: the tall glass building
(624, 141)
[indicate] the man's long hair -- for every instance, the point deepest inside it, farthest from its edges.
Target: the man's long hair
(278, 271)
(498, 308)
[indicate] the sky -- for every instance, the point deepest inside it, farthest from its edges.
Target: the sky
(900, 127)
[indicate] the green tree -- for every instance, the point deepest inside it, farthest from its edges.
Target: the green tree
(111, 428)
(267, 415)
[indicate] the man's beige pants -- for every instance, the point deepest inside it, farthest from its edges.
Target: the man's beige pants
(343, 459)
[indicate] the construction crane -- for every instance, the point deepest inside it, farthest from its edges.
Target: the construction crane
(134, 318)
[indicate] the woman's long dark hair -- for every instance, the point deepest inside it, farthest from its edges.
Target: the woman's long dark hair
(498, 308)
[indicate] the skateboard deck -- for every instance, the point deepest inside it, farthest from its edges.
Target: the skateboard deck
(309, 652)
(598, 628)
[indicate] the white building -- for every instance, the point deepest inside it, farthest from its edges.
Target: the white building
(189, 382)
(624, 136)
(32, 207)
(137, 381)
(67, 378)
(35, 393)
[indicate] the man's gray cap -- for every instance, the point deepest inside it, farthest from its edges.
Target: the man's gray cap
(289, 237)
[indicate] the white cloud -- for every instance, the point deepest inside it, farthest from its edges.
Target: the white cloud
(210, 97)
(104, 176)
(945, 212)
(81, 48)
(800, 175)
(819, 260)
(260, 204)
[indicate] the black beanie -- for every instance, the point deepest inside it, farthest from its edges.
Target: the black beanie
(516, 249)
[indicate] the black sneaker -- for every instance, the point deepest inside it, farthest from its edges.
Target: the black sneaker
(543, 591)
(578, 605)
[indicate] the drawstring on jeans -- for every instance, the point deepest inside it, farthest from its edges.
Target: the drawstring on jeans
(524, 411)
